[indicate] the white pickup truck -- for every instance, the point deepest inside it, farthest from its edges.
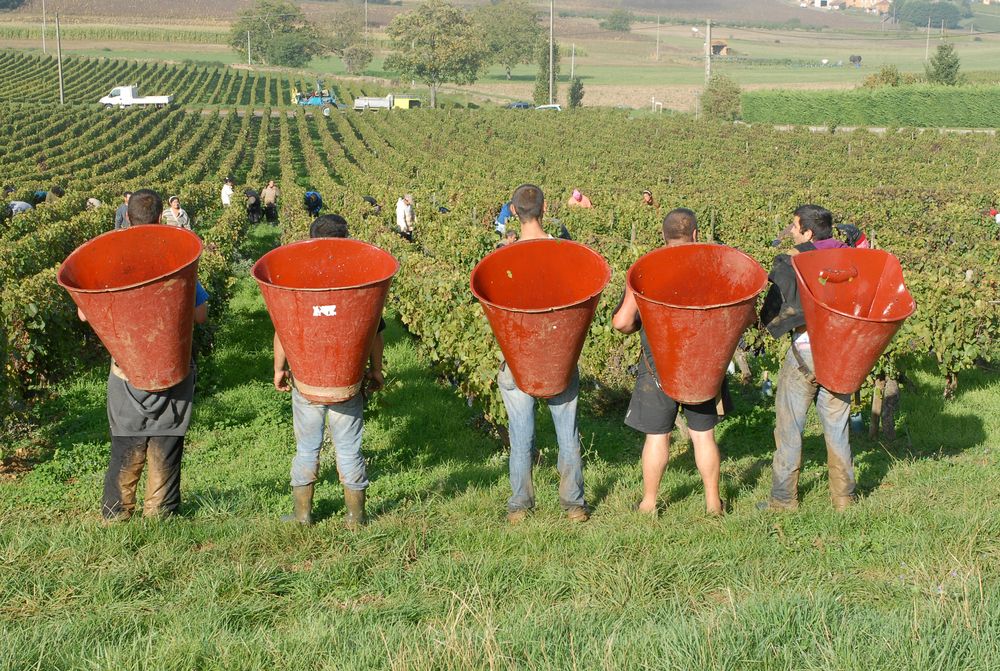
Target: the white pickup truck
(126, 96)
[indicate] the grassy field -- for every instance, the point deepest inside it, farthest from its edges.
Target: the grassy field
(906, 579)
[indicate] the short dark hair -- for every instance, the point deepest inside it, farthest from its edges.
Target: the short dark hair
(127, 194)
(528, 201)
(817, 219)
(680, 224)
(328, 226)
(144, 207)
(58, 190)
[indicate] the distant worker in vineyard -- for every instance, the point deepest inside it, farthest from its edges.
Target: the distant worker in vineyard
(406, 219)
(345, 419)
(653, 413)
(54, 194)
(121, 214)
(811, 229)
(527, 205)
(16, 207)
(226, 194)
(648, 200)
(175, 215)
(578, 199)
(374, 209)
(254, 210)
(269, 196)
(313, 203)
(500, 223)
(147, 425)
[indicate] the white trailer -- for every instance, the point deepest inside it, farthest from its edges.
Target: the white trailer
(127, 96)
(373, 103)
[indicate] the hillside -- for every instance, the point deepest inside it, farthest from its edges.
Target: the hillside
(738, 11)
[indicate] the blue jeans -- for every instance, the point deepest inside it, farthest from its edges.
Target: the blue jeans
(346, 422)
(794, 396)
(521, 423)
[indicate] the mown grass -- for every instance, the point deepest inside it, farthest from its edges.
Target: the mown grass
(906, 579)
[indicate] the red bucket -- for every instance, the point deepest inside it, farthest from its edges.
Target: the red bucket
(854, 301)
(325, 298)
(695, 300)
(136, 287)
(539, 297)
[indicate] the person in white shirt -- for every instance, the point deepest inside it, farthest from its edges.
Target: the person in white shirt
(227, 192)
(405, 217)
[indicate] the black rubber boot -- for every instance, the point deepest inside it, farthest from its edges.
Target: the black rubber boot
(354, 499)
(302, 500)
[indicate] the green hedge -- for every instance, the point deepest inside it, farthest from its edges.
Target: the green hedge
(921, 105)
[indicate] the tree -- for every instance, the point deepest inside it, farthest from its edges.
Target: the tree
(943, 68)
(888, 75)
(343, 29)
(918, 12)
(512, 32)
(721, 99)
(436, 43)
(356, 58)
(289, 49)
(541, 94)
(620, 20)
(279, 34)
(575, 96)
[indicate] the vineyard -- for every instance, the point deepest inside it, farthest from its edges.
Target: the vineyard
(905, 579)
(34, 79)
(743, 183)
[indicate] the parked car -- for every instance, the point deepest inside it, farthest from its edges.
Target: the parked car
(553, 108)
(519, 105)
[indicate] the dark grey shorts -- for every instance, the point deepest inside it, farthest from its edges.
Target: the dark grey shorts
(651, 411)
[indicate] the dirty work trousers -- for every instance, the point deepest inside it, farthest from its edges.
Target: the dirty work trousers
(794, 396)
(163, 477)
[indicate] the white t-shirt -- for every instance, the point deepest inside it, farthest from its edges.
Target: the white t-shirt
(802, 342)
(404, 215)
(227, 194)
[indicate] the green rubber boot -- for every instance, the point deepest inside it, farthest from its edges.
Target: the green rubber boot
(302, 500)
(354, 499)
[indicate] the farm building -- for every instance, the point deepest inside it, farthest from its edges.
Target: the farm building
(720, 48)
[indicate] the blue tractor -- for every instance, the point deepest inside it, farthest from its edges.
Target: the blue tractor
(320, 97)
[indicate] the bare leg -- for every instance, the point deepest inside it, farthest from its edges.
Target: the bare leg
(655, 455)
(706, 457)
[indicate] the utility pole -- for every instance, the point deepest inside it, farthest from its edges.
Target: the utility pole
(927, 46)
(942, 27)
(44, 28)
(248, 48)
(708, 51)
(657, 37)
(62, 100)
(366, 22)
(552, 74)
(572, 63)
